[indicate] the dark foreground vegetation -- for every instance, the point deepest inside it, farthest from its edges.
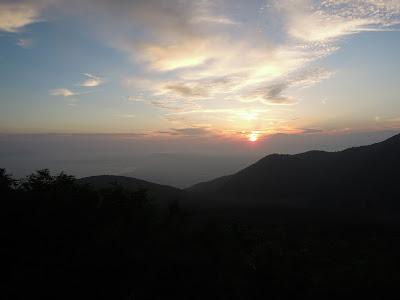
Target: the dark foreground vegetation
(65, 240)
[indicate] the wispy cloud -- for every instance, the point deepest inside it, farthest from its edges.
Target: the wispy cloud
(274, 92)
(15, 15)
(62, 93)
(327, 21)
(135, 98)
(92, 81)
(24, 43)
(310, 130)
(175, 105)
(234, 115)
(172, 57)
(187, 90)
(193, 59)
(191, 131)
(271, 94)
(224, 20)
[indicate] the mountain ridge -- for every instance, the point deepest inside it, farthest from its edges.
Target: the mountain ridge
(354, 177)
(368, 172)
(155, 190)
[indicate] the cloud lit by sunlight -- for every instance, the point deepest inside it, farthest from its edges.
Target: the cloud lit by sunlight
(14, 16)
(210, 67)
(92, 81)
(62, 92)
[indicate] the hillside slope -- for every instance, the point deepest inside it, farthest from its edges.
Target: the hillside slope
(155, 191)
(356, 177)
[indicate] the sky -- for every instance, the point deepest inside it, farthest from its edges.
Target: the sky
(199, 76)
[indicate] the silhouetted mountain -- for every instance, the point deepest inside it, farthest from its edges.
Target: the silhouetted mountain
(360, 177)
(211, 186)
(183, 170)
(155, 191)
(65, 240)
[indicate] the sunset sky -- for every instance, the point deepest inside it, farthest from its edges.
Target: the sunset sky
(223, 69)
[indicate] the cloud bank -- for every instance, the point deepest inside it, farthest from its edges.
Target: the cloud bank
(195, 58)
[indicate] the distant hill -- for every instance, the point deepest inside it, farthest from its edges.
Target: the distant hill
(366, 177)
(363, 179)
(155, 191)
(183, 170)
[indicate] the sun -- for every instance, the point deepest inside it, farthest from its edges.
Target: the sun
(253, 137)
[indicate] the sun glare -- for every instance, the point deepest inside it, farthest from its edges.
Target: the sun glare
(253, 137)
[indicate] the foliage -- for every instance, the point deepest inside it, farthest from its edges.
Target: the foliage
(63, 240)
(6, 181)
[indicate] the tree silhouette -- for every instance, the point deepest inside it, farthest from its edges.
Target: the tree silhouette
(7, 183)
(62, 239)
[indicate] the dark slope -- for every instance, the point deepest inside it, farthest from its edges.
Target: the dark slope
(209, 186)
(155, 191)
(356, 177)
